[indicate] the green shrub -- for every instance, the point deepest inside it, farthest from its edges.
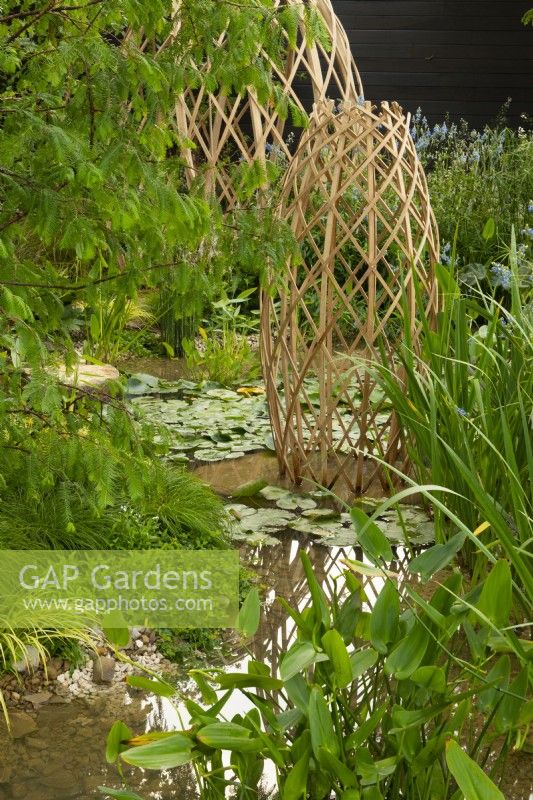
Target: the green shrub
(474, 177)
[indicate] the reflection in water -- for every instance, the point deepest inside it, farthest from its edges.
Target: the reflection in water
(282, 574)
(64, 758)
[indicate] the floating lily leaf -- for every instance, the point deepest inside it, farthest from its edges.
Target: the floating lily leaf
(321, 514)
(209, 455)
(140, 383)
(274, 492)
(239, 510)
(294, 501)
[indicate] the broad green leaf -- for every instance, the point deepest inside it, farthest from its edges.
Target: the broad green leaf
(498, 679)
(431, 678)
(489, 231)
(320, 606)
(295, 787)
(209, 695)
(155, 686)
(120, 637)
(119, 733)
(297, 691)
(258, 668)
(447, 283)
(330, 762)
(370, 770)
(526, 714)
(250, 614)
(512, 702)
(172, 751)
(347, 616)
(361, 661)
(300, 656)
(350, 794)
(372, 793)
(335, 648)
(385, 617)
(364, 731)
(120, 794)
(243, 680)
(373, 541)
(229, 736)
(321, 724)
(94, 326)
(437, 557)
(472, 781)
(290, 718)
(496, 597)
(408, 653)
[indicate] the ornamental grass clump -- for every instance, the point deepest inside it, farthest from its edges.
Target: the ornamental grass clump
(465, 402)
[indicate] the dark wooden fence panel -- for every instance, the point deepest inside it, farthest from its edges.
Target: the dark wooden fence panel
(464, 58)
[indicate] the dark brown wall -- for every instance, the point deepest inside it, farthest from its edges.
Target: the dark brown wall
(465, 58)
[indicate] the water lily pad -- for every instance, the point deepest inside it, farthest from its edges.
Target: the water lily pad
(209, 455)
(141, 383)
(274, 492)
(258, 538)
(239, 510)
(222, 394)
(266, 519)
(321, 514)
(178, 458)
(295, 501)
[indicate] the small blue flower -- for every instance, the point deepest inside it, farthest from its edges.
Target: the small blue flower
(462, 412)
(530, 207)
(528, 232)
(501, 275)
(445, 254)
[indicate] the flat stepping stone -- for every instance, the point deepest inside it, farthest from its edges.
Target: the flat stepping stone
(93, 376)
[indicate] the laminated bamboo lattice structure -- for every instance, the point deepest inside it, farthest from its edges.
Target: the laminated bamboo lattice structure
(356, 196)
(225, 129)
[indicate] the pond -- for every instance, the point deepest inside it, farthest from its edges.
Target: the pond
(64, 757)
(224, 436)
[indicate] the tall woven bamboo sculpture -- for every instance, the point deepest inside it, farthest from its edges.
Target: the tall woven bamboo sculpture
(227, 129)
(357, 199)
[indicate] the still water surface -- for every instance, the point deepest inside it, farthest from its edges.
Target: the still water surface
(64, 758)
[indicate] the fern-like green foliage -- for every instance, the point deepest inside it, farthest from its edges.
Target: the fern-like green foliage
(93, 203)
(94, 208)
(78, 487)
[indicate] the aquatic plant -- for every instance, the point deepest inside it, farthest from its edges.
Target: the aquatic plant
(466, 403)
(370, 701)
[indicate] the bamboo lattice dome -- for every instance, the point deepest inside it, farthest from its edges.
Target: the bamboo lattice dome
(225, 129)
(356, 196)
